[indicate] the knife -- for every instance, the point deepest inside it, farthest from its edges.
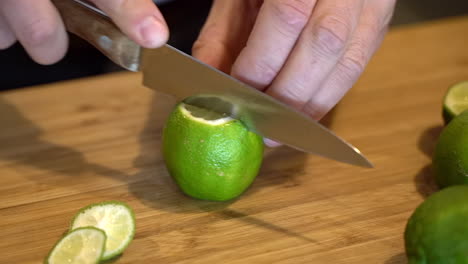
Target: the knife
(173, 72)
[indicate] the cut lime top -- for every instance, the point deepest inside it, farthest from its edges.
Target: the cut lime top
(204, 115)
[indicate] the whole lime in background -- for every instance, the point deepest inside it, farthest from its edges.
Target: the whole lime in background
(210, 156)
(437, 231)
(450, 158)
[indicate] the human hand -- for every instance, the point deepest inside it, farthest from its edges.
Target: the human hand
(38, 27)
(306, 53)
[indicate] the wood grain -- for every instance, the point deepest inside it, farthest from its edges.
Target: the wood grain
(66, 145)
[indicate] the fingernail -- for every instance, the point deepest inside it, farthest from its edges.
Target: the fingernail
(270, 143)
(152, 33)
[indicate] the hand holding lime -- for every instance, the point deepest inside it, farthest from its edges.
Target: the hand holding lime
(210, 156)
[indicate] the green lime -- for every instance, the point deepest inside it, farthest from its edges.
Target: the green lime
(210, 156)
(81, 246)
(450, 159)
(455, 101)
(437, 231)
(115, 218)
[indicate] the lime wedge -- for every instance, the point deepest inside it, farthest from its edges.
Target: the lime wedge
(116, 219)
(455, 101)
(83, 245)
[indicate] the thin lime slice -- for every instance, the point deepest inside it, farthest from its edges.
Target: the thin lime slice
(83, 245)
(115, 218)
(455, 101)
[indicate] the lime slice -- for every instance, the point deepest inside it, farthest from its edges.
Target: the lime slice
(83, 245)
(455, 101)
(115, 218)
(209, 155)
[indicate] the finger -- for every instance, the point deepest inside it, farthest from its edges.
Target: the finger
(224, 34)
(276, 30)
(7, 38)
(37, 25)
(138, 19)
(369, 35)
(318, 50)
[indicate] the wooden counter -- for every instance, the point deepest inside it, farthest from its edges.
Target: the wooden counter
(66, 145)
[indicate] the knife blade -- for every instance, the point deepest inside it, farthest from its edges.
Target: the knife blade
(173, 72)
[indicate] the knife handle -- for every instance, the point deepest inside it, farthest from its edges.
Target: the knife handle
(92, 25)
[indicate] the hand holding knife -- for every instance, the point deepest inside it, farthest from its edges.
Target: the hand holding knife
(170, 71)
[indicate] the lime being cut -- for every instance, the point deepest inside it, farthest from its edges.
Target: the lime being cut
(209, 155)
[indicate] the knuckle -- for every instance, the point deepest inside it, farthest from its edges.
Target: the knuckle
(38, 32)
(266, 71)
(295, 93)
(374, 26)
(316, 110)
(209, 35)
(378, 16)
(294, 13)
(259, 73)
(353, 64)
(332, 34)
(293, 97)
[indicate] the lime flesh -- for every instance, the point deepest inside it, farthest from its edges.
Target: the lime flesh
(80, 246)
(455, 101)
(115, 218)
(210, 156)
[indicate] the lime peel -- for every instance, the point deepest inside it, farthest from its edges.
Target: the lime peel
(437, 231)
(450, 159)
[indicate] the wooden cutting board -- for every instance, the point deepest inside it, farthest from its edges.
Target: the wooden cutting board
(66, 145)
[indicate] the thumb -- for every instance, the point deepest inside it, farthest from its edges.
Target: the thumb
(141, 20)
